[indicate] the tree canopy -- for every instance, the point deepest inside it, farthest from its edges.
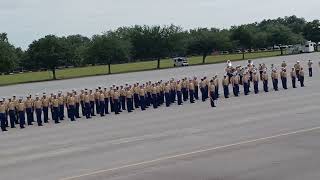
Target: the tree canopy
(141, 43)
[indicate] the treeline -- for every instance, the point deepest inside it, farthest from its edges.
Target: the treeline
(139, 43)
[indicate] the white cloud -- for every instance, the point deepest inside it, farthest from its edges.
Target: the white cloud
(27, 20)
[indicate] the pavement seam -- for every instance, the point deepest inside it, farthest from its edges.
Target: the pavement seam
(193, 153)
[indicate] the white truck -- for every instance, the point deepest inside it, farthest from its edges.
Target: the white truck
(307, 47)
(180, 61)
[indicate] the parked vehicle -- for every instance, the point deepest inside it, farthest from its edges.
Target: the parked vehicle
(238, 51)
(180, 61)
(307, 47)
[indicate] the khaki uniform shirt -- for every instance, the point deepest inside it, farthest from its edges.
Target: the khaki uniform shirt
(265, 77)
(255, 78)
(71, 101)
(11, 105)
(91, 97)
(21, 106)
(38, 104)
(191, 86)
(28, 103)
(3, 108)
(45, 102)
(86, 98)
(142, 92)
(116, 95)
(101, 97)
(61, 100)
(293, 74)
(129, 93)
(225, 81)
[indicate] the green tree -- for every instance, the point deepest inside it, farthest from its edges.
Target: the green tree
(154, 42)
(244, 37)
(204, 41)
(108, 49)
(312, 31)
(8, 56)
(48, 52)
(76, 45)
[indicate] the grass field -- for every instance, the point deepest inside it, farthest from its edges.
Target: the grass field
(121, 68)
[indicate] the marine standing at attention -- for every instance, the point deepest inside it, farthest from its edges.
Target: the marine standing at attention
(3, 109)
(21, 107)
(310, 67)
(293, 77)
(283, 75)
(255, 79)
(212, 94)
(38, 107)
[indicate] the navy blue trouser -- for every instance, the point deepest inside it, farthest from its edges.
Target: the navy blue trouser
(92, 108)
(154, 101)
(302, 81)
(265, 86)
(245, 88)
(226, 91)
(275, 84)
(212, 98)
(184, 94)
(45, 114)
(116, 106)
(55, 114)
(82, 108)
(3, 121)
(256, 87)
(123, 102)
(179, 97)
(149, 99)
(77, 113)
(167, 97)
(22, 119)
(97, 106)
(293, 82)
(191, 93)
(310, 72)
(284, 83)
(136, 100)
(12, 115)
(38, 114)
(87, 110)
(72, 113)
(129, 105)
(203, 97)
(196, 92)
(143, 103)
(61, 112)
(102, 108)
(106, 105)
(216, 91)
(29, 115)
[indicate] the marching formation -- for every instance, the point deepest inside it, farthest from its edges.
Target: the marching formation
(102, 101)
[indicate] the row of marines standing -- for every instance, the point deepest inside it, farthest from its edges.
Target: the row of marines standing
(89, 102)
(130, 97)
(246, 75)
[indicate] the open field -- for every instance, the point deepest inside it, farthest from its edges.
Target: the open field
(121, 68)
(272, 135)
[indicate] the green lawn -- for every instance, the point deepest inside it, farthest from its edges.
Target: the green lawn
(121, 68)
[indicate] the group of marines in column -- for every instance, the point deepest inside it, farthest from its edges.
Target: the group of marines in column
(116, 99)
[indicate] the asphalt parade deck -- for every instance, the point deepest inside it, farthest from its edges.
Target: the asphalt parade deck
(271, 135)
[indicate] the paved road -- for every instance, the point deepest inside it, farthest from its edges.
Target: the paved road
(129, 142)
(120, 79)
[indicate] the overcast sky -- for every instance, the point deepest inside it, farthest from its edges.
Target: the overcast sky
(27, 20)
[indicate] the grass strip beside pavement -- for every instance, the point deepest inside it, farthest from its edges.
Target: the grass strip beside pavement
(122, 68)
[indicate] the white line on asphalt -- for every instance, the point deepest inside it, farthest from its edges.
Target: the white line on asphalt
(192, 153)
